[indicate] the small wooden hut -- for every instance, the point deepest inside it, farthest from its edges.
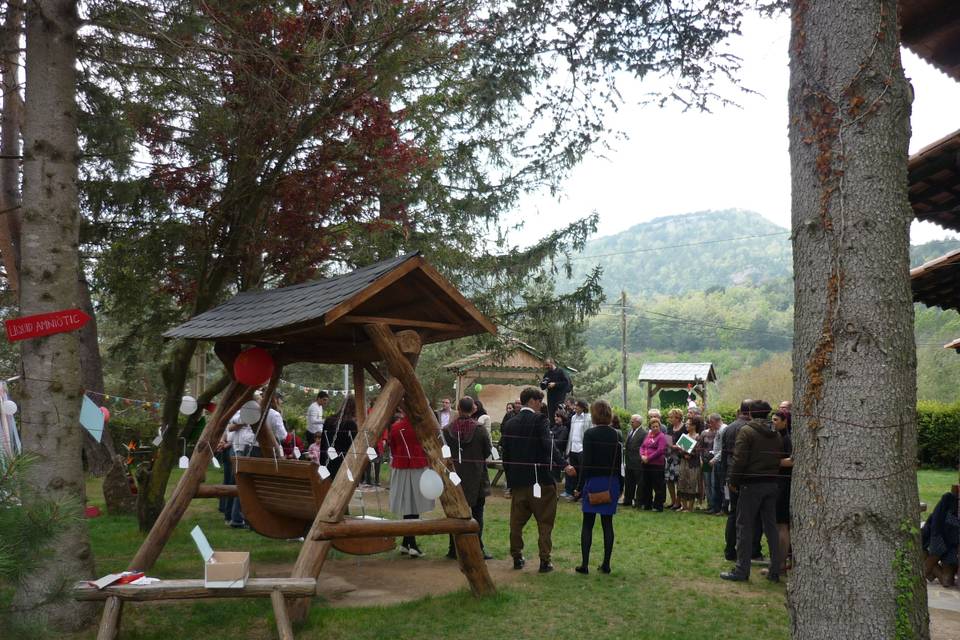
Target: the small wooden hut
(376, 318)
(676, 375)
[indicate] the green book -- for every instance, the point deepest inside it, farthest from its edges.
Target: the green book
(686, 443)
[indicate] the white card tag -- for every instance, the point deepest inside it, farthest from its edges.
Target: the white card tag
(445, 451)
(536, 490)
(455, 479)
(494, 454)
(371, 453)
(623, 469)
(332, 453)
(184, 462)
(216, 463)
(323, 472)
(349, 474)
(296, 453)
(156, 441)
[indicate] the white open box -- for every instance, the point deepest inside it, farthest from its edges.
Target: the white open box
(221, 569)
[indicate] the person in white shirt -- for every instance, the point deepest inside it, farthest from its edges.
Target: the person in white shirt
(315, 417)
(579, 423)
(274, 421)
(446, 414)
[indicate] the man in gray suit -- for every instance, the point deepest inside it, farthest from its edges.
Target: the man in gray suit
(633, 464)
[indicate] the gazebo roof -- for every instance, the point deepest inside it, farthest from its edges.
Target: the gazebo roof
(321, 320)
(931, 29)
(677, 372)
(934, 179)
(936, 283)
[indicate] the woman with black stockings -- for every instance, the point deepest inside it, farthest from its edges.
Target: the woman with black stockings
(600, 472)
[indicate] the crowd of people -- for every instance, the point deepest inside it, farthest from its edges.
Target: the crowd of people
(556, 447)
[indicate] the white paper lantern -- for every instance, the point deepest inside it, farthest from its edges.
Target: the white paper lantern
(431, 484)
(9, 407)
(188, 405)
(250, 412)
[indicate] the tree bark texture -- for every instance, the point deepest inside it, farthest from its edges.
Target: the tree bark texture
(52, 387)
(855, 500)
(10, 126)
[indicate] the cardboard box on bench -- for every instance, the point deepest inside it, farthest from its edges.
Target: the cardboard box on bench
(221, 569)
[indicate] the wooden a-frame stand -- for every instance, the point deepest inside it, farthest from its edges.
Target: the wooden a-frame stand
(291, 597)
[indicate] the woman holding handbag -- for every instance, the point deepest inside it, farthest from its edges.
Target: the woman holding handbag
(599, 482)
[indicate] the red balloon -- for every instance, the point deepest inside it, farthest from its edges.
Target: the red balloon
(253, 367)
(211, 407)
(106, 414)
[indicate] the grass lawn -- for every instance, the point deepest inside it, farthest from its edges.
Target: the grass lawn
(664, 584)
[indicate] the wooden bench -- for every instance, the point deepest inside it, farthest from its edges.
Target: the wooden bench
(278, 589)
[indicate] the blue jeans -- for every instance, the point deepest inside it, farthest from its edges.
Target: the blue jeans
(236, 515)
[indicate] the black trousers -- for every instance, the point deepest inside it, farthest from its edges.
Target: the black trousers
(633, 479)
(756, 509)
(730, 549)
(653, 488)
(476, 510)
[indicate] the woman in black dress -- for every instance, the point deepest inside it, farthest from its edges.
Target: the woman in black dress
(340, 430)
(600, 471)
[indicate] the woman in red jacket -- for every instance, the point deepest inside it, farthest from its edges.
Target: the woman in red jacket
(407, 463)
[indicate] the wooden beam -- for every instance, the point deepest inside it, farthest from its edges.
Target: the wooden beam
(428, 431)
(373, 289)
(110, 620)
(458, 298)
(284, 629)
(375, 373)
(313, 553)
(233, 398)
(216, 491)
(394, 528)
(401, 322)
(193, 589)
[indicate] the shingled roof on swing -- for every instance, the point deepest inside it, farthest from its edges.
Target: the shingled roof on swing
(321, 320)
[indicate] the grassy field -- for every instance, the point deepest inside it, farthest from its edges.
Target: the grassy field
(664, 584)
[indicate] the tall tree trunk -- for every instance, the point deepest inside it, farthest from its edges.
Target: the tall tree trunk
(52, 389)
(855, 500)
(97, 455)
(10, 126)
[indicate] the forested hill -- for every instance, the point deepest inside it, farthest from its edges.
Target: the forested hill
(690, 252)
(674, 255)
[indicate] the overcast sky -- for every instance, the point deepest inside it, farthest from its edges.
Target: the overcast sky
(675, 162)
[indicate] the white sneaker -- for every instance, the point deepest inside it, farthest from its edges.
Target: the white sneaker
(404, 549)
(415, 553)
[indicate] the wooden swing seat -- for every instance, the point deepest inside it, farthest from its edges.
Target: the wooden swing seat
(281, 498)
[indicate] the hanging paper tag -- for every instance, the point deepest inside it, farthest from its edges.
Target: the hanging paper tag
(623, 469)
(455, 479)
(536, 490)
(216, 463)
(494, 454)
(371, 453)
(184, 462)
(445, 451)
(157, 441)
(332, 453)
(323, 472)
(349, 474)
(296, 453)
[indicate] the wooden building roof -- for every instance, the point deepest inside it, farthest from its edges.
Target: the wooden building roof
(937, 283)
(934, 178)
(321, 320)
(514, 355)
(677, 372)
(931, 29)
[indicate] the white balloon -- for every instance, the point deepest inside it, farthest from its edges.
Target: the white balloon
(188, 405)
(250, 412)
(431, 484)
(9, 407)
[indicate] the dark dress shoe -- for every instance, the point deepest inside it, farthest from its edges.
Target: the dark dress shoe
(582, 569)
(545, 567)
(773, 577)
(518, 563)
(730, 557)
(733, 577)
(604, 568)
(451, 555)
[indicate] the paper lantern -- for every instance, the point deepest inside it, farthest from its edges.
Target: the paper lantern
(250, 412)
(253, 367)
(9, 407)
(478, 387)
(188, 405)
(106, 414)
(431, 484)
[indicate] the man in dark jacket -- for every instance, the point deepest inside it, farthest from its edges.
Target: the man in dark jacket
(470, 445)
(632, 463)
(723, 476)
(753, 476)
(557, 385)
(529, 457)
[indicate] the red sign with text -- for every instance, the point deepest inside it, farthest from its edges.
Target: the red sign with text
(45, 324)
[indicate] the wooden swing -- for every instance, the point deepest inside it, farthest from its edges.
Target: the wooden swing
(349, 319)
(281, 498)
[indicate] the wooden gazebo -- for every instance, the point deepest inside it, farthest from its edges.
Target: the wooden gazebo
(676, 375)
(379, 315)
